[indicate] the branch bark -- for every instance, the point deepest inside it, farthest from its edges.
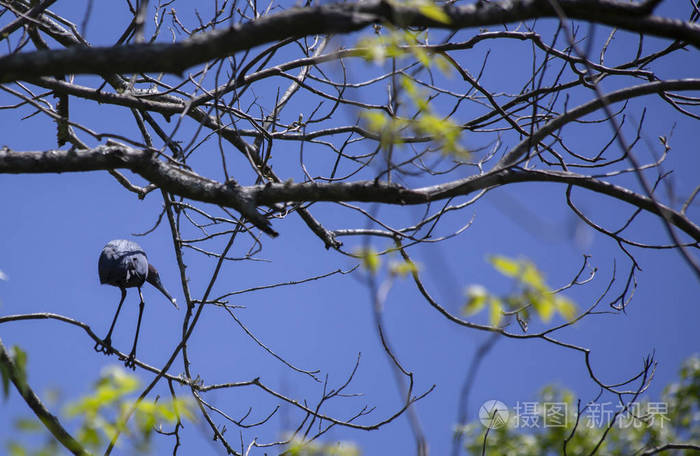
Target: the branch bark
(328, 19)
(170, 178)
(245, 199)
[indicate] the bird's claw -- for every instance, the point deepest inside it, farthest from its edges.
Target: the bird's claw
(129, 362)
(104, 346)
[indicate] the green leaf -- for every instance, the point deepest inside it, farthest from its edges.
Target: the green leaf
(421, 55)
(476, 300)
(565, 307)
(377, 49)
(434, 12)
(376, 121)
(19, 357)
(15, 449)
(544, 305)
(370, 259)
(432, 125)
(89, 436)
(443, 64)
(28, 425)
(372, 49)
(5, 377)
(403, 268)
(531, 276)
(495, 311)
(408, 86)
(506, 266)
(122, 380)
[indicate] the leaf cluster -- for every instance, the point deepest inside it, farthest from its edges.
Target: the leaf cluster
(101, 413)
(642, 426)
(531, 293)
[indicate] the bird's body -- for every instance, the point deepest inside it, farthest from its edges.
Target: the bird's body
(124, 264)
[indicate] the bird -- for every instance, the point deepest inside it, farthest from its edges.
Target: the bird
(124, 264)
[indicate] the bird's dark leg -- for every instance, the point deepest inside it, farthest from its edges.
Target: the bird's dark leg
(105, 346)
(132, 356)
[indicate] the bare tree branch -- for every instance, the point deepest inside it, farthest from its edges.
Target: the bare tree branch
(334, 18)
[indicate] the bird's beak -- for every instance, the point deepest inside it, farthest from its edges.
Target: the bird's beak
(167, 295)
(154, 279)
(172, 300)
(159, 286)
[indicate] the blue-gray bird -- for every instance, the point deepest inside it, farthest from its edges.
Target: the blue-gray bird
(124, 264)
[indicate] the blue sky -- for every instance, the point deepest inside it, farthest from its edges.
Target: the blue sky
(54, 227)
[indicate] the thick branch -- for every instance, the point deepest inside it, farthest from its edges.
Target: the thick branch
(168, 177)
(371, 191)
(326, 19)
(246, 199)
